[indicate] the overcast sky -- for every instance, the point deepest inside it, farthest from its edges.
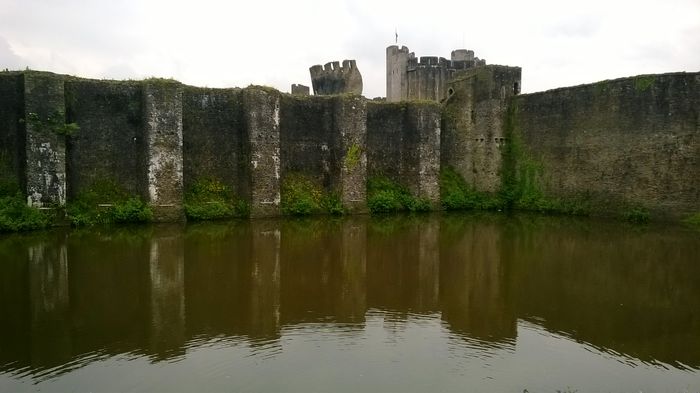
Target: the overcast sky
(229, 43)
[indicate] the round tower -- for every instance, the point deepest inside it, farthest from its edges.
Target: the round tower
(396, 73)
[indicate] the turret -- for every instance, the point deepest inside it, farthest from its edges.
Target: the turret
(333, 78)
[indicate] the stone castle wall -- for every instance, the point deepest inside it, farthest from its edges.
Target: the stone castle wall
(214, 145)
(619, 144)
(473, 123)
(632, 142)
(403, 144)
(111, 143)
(12, 138)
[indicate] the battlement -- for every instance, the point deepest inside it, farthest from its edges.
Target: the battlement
(300, 90)
(411, 77)
(395, 49)
(461, 59)
(333, 67)
(334, 78)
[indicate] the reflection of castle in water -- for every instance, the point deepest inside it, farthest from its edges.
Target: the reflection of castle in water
(159, 291)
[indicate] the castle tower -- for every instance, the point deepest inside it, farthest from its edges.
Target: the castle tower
(396, 73)
(333, 78)
(411, 78)
(462, 55)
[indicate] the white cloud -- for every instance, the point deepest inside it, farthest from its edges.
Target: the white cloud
(8, 58)
(224, 43)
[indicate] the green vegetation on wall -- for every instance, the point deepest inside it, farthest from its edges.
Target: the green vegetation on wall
(693, 220)
(209, 199)
(16, 216)
(302, 196)
(52, 123)
(107, 203)
(522, 174)
(386, 196)
(456, 194)
(636, 215)
(644, 82)
(352, 157)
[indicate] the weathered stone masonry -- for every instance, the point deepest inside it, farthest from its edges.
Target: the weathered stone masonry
(45, 151)
(632, 142)
(403, 144)
(619, 144)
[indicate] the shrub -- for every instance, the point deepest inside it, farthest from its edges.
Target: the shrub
(107, 203)
(693, 220)
(16, 216)
(637, 215)
(456, 194)
(385, 196)
(301, 196)
(210, 199)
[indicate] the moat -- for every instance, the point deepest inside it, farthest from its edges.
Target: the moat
(451, 302)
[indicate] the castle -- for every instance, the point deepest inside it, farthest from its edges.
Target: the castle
(410, 78)
(607, 147)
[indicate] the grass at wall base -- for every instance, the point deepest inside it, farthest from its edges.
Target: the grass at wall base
(210, 199)
(386, 196)
(106, 203)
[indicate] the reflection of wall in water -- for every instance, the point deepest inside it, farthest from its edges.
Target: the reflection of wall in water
(323, 271)
(403, 265)
(137, 290)
(474, 291)
(612, 294)
(108, 288)
(15, 336)
(351, 298)
(167, 294)
(217, 279)
(265, 280)
(50, 303)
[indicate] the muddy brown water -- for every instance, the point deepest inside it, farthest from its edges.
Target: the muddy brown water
(433, 303)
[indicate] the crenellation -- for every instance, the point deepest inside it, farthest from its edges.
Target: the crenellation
(426, 77)
(333, 78)
(300, 90)
(316, 70)
(620, 143)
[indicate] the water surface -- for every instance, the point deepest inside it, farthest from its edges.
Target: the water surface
(403, 304)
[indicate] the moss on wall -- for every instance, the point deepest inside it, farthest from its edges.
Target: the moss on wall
(693, 220)
(105, 202)
(352, 156)
(643, 83)
(387, 196)
(456, 194)
(210, 199)
(302, 196)
(53, 122)
(523, 174)
(626, 148)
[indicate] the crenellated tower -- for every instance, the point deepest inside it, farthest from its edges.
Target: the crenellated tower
(333, 78)
(411, 78)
